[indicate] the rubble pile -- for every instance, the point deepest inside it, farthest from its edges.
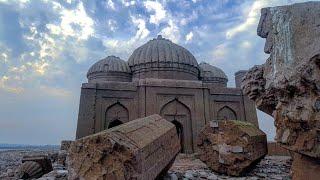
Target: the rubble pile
(188, 166)
(11, 160)
(140, 149)
(287, 85)
(231, 147)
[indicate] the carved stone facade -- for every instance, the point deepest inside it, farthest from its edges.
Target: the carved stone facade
(162, 78)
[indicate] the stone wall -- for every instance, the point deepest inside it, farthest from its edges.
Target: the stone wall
(190, 103)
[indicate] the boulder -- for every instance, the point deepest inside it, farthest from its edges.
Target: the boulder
(140, 149)
(231, 147)
(287, 85)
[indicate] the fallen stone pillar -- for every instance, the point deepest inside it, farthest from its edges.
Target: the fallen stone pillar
(287, 85)
(231, 147)
(140, 149)
(34, 167)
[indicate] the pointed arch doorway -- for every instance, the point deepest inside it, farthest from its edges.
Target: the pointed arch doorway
(116, 114)
(226, 113)
(179, 114)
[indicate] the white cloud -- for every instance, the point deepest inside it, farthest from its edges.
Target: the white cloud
(251, 19)
(4, 85)
(111, 5)
(189, 36)
(171, 31)
(142, 31)
(74, 23)
(252, 15)
(53, 91)
(15, 69)
(187, 19)
(4, 57)
(246, 44)
(113, 43)
(125, 47)
(39, 67)
(220, 51)
(128, 2)
(158, 9)
(112, 25)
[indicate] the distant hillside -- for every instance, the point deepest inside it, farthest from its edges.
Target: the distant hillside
(26, 146)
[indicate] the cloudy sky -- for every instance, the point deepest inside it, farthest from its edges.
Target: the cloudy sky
(46, 47)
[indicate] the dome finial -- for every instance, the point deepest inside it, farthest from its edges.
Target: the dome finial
(159, 37)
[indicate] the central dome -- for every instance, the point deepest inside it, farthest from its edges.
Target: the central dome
(161, 58)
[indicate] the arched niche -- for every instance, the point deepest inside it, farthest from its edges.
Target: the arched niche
(226, 113)
(116, 114)
(179, 114)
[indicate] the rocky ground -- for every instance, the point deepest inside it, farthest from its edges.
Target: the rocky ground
(185, 167)
(190, 167)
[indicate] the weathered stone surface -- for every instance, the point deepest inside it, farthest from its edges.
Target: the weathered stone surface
(231, 147)
(34, 166)
(275, 149)
(140, 149)
(65, 144)
(62, 156)
(30, 170)
(287, 86)
(304, 167)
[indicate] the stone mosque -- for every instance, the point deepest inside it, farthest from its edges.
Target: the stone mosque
(160, 77)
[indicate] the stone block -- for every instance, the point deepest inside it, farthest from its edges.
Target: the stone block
(140, 149)
(231, 147)
(34, 167)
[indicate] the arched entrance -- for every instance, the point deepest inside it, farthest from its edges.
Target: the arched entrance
(179, 114)
(116, 114)
(226, 113)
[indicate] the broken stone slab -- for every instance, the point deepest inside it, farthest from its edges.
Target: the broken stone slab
(231, 147)
(34, 167)
(140, 149)
(287, 85)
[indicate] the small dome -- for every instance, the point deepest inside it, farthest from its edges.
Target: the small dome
(111, 68)
(212, 74)
(164, 56)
